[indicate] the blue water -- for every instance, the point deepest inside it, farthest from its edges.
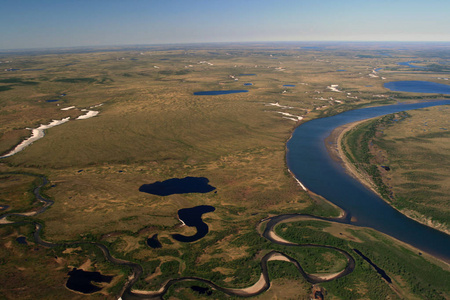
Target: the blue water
(178, 186)
(341, 70)
(193, 217)
(289, 85)
(53, 100)
(153, 242)
(213, 93)
(248, 83)
(418, 87)
(22, 240)
(308, 159)
(410, 64)
(81, 281)
(378, 69)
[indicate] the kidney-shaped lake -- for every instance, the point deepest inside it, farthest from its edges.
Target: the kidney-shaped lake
(178, 186)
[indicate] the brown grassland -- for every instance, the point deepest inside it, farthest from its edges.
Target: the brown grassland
(151, 127)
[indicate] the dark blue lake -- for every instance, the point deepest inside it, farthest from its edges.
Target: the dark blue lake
(213, 93)
(202, 290)
(289, 85)
(22, 240)
(309, 161)
(80, 281)
(248, 83)
(193, 217)
(53, 100)
(378, 69)
(418, 87)
(178, 186)
(153, 242)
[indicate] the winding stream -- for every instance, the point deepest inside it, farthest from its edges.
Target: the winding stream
(309, 161)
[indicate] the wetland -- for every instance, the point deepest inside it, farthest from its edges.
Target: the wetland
(117, 185)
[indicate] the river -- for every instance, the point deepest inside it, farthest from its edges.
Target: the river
(308, 159)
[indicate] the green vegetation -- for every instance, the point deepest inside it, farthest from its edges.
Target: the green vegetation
(151, 127)
(414, 146)
(409, 271)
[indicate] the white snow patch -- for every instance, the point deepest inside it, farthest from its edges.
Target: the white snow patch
(291, 116)
(36, 134)
(98, 105)
(89, 114)
(68, 108)
(333, 87)
(278, 105)
(292, 119)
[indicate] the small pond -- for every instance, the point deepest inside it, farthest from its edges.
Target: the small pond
(289, 85)
(178, 186)
(80, 281)
(202, 290)
(22, 240)
(213, 93)
(153, 242)
(193, 217)
(248, 83)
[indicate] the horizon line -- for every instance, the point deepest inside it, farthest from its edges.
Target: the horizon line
(54, 48)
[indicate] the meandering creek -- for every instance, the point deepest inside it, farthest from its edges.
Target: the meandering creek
(309, 161)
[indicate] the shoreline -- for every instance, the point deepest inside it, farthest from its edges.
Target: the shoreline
(333, 144)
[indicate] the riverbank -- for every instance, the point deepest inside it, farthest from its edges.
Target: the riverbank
(335, 147)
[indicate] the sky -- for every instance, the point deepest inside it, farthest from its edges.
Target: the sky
(70, 23)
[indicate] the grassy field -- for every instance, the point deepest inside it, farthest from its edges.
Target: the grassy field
(414, 145)
(150, 127)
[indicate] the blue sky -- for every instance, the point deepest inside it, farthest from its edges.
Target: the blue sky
(68, 23)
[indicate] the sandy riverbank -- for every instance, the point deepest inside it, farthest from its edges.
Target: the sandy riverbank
(334, 146)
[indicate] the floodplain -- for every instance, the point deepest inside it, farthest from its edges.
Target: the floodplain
(150, 126)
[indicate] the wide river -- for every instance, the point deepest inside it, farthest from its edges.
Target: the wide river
(308, 159)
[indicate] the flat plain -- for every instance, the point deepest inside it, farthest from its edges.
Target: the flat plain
(151, 127)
